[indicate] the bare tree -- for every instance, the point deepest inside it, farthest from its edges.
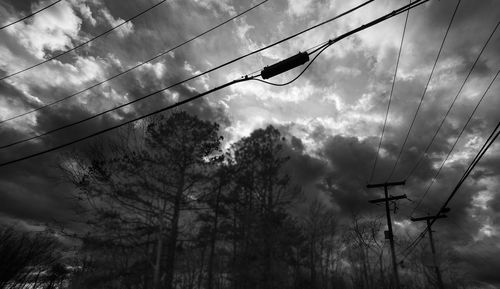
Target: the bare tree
(25, 256)
(320, 226)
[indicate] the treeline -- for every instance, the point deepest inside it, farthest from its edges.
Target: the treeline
(170, 209)
(165, 206)
(31, 260)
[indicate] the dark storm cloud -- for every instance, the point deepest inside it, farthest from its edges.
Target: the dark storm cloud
(297, 144)
(33, 190)
(305, 170)
(356, 72)
(16, 6)
(351, 158)
(349, 162)
(482, 262)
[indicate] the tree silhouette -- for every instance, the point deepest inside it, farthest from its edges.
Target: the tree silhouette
(24, 256)
(138, 184)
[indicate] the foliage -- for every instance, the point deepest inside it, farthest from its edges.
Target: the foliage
(29, 258)
(165, 207)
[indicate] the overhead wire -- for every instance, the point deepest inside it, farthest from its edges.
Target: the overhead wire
(158, 55)
(455, 143)
(478, 156)
(476, 159)
(183, 81)
(387, 16)
(423, 155)
(483, 150)
(425, 90)
(322, 46)
(491, 139)
(299, 75)
(30, 15)
(83, 43)
(487, 144)
(390, 96)
(407, 251)
(409, 207)
(177, 104)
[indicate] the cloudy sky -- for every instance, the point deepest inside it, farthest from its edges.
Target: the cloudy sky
(332, 115)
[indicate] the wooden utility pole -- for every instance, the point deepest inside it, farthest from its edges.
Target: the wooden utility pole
(431, 240)
(389, 234)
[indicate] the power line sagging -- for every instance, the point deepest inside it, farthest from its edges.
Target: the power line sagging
(330, 42)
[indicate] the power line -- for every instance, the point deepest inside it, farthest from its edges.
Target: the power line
(321, 47)
(185, 80)
(421, 236)
(453, 102)
(30, 15)
(124, 123)
(134, 66)
(476, 158)
(411, 208)
(83, 43)
(491, 139)
(482, 151)
(387, 16)
(456, 141)
(407, 251)
(390, 96)
(394, 13)
(425, 90)
(300, 74)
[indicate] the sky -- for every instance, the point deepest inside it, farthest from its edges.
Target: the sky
(332, 115)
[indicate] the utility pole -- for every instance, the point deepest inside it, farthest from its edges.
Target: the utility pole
(389, 235)
(431, 240)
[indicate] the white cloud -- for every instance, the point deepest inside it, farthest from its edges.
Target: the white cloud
(223, 5)
(124, 30)
(188, 67)
(158, 68)
(52, 30)
(481, 199)
(86, 13)
(82, 71)
(299, 7)
(334, 98)
(243, 28)
(24, 124)
(56, 75)
(488, 231)
(349, 71)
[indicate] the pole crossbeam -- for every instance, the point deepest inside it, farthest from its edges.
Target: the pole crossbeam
(386, 184)
(427, 218)
(391, 198)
